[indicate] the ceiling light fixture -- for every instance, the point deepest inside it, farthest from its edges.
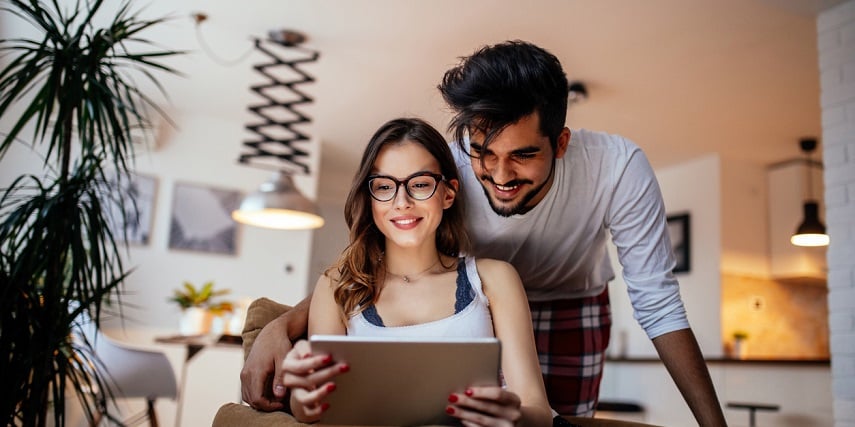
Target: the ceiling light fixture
(277, 143)
(278, 204)
(811, 231)
(578, 92)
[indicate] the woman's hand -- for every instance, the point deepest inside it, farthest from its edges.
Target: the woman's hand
(485, 406)
(309, 379)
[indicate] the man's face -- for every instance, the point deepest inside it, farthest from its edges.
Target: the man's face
(516, 171)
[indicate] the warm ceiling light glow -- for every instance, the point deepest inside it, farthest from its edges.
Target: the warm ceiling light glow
(811, 231)
(280, 219)
(278, 204)
(810, 239)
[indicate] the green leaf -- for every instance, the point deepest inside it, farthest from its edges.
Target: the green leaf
(57, 250)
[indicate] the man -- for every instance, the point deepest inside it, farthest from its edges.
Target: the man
(548, 201)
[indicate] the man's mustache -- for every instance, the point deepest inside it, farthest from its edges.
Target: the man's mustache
(512, 183)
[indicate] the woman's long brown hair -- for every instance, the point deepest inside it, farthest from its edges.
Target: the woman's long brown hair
(359, 267)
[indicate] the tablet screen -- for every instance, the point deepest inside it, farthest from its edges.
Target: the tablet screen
(404, 381)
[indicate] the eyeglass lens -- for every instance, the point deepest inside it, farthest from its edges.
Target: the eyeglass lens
(419, 187)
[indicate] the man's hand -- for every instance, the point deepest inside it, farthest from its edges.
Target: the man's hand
(261, 376)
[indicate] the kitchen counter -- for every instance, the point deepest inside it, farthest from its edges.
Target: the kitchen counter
(645, 381)
(730, 361)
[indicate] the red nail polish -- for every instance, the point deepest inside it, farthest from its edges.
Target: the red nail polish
(325, 406)
(344, 368)
(449, 410)
(452, 398)
(326, 359)
(469, 392)
(330, 387)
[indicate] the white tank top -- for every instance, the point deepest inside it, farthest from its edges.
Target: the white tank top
(473, 321)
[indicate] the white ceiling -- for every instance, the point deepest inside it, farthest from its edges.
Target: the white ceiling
(682, 79)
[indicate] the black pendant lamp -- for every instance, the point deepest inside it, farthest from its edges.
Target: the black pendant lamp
(811, 231)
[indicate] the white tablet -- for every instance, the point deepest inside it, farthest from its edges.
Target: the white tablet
(404, 381)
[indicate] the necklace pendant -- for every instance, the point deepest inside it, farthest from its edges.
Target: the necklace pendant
(406, 279)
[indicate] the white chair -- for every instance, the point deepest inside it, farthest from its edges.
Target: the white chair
(132, 372)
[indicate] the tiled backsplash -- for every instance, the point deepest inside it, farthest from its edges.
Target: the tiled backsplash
(782, 318)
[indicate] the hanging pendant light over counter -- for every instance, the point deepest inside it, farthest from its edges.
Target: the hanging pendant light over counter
(811, 231)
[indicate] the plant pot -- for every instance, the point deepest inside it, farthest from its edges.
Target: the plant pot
(195, 321)
(739, 348)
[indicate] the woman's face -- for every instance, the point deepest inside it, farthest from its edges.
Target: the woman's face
(405, 221)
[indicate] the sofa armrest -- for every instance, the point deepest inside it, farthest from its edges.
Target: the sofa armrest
(234, 414)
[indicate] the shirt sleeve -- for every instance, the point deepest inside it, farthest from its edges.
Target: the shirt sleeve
(636, 218)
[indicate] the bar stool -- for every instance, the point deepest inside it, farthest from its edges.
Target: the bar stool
(752, 408)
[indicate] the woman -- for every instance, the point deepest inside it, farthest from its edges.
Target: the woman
(399, 277)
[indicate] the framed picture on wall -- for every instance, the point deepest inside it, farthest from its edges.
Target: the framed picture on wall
(130, 207)
(679, 232)
(201, 219)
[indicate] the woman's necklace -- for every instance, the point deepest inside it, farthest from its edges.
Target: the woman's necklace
(410, 278)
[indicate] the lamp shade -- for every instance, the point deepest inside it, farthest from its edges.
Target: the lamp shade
(811, 232)
(278, 204)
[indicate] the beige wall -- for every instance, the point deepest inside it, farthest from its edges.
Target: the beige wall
(783, 319)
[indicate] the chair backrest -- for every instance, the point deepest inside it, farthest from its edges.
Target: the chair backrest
(134, 372)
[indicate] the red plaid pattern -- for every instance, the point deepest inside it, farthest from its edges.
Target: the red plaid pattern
(571, 336)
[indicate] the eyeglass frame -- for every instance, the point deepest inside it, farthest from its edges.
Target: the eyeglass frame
(438, 178)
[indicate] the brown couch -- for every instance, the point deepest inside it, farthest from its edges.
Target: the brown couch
(264, 310)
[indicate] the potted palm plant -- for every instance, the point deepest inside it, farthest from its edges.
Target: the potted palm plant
(58, 257)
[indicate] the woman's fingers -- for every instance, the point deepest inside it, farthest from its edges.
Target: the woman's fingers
(310, 375)
(304, 370)
(485, 406)
(493, 393)
(313, 400)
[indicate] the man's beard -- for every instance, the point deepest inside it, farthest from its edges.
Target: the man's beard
(518, 208)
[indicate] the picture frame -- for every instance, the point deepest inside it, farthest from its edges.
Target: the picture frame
(201, 220)
(679, 231)
(129, 206)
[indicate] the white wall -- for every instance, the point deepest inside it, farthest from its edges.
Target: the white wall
(266, 263)
(836, 30)
(744, 218)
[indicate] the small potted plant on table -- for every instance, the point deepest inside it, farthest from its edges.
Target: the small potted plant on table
(198, 307)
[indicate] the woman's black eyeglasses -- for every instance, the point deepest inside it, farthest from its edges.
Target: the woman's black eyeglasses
(420, 186)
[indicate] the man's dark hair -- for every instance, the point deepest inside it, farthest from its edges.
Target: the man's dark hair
(499, 85)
